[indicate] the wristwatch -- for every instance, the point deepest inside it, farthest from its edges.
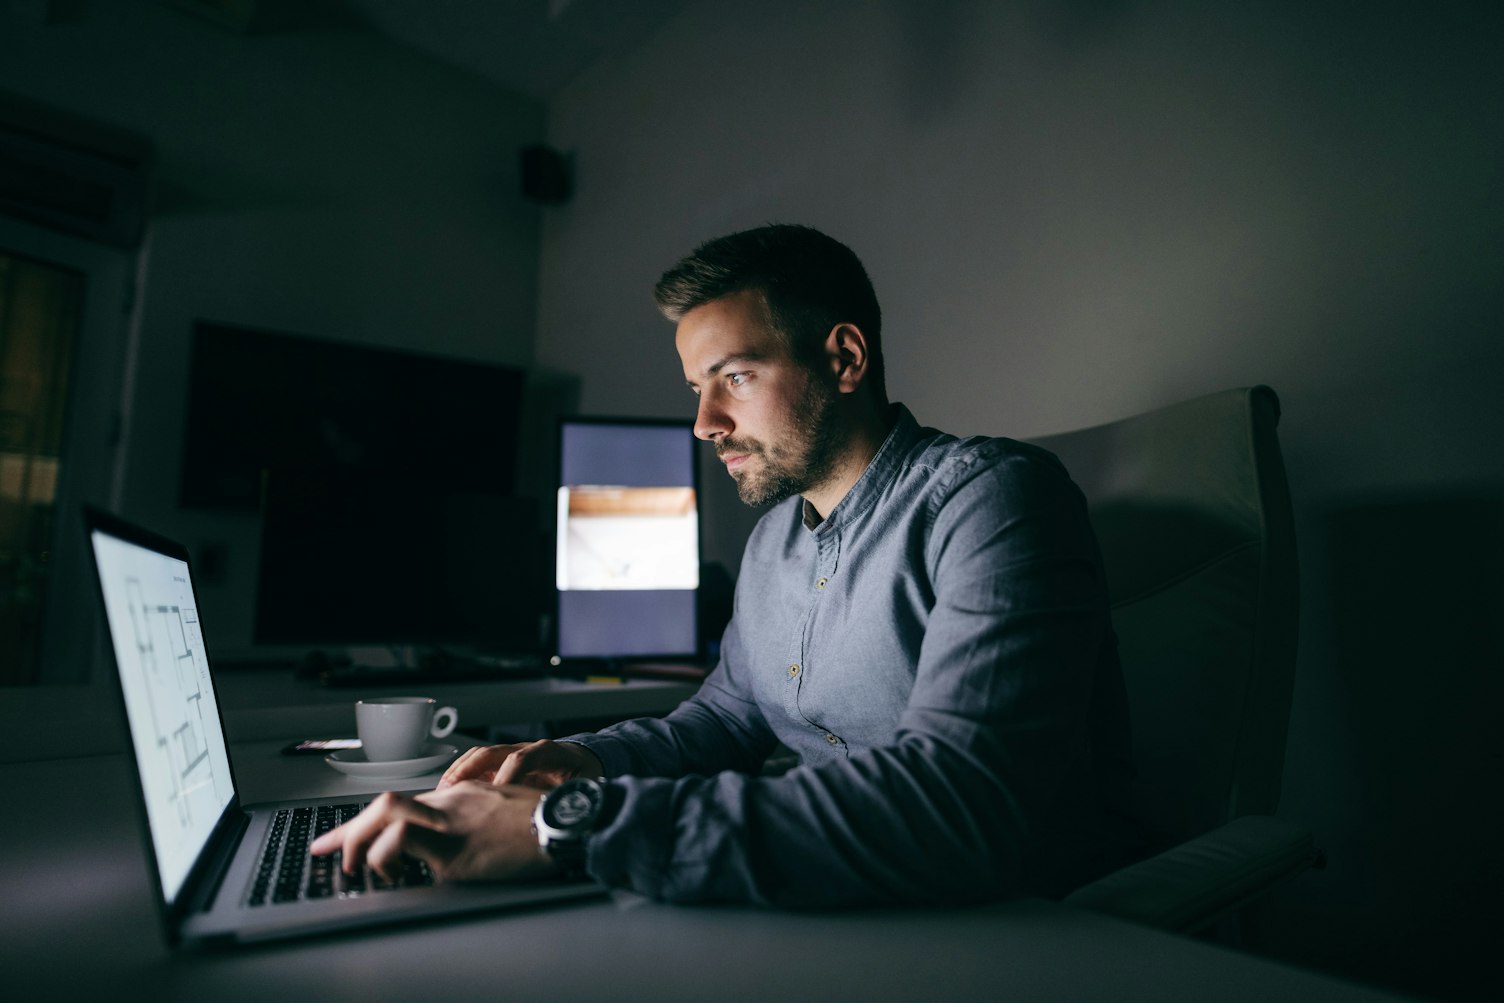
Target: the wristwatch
(569, 813)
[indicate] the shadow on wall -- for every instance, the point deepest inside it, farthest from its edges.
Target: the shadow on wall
(1418, 607)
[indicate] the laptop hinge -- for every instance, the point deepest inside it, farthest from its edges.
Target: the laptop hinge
(212, 867)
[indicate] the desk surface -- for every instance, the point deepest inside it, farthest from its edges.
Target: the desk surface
(261, 704)
(79, 920)
(50, 722)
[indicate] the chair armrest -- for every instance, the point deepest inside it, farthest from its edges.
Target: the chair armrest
(1192, 885)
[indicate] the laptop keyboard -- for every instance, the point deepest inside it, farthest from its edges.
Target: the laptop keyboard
(286, 873)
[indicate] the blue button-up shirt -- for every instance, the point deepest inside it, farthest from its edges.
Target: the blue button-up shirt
(938, 652)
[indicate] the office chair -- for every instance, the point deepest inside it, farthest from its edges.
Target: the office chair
(1192, 510)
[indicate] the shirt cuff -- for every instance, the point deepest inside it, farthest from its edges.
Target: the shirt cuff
(613, 753)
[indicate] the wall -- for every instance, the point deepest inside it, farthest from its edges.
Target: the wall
(317, 181)
(1076, 212)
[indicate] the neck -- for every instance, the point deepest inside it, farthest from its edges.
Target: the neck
(869, 426)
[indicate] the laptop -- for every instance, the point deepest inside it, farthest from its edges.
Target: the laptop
(223, 871)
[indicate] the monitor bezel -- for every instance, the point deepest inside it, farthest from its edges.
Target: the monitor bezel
(560, 660)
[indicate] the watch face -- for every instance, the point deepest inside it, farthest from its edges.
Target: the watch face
(570, 807)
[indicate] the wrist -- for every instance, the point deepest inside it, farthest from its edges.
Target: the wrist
(590, 764)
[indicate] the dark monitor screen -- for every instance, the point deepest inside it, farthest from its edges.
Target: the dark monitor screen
(348, 559)
(259, 400)
(627, 560)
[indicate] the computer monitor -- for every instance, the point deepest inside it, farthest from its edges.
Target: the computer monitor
(352, 559)
(627, 562)
(262, 400)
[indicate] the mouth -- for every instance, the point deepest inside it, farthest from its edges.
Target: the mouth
(734, 460)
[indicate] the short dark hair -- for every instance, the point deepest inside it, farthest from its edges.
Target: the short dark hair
(810, 283)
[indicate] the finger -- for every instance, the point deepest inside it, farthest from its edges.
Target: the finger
(477, 763)
(385, 854)
(358, 834)
(461, 768)
(414, 829)
(331, 841)
(516, 764)
(436, 849)
(470, 762)
(328, 842)
(406, 838)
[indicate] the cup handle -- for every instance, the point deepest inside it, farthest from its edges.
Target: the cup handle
(442, 728)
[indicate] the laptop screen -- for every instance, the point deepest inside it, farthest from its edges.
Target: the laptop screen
(628, 560)
(169, 702)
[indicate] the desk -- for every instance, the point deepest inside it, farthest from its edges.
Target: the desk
(44, 722)
(261, 704)
(78, 923)
(263, 773)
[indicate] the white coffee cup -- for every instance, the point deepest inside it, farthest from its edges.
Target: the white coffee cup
(393, 728)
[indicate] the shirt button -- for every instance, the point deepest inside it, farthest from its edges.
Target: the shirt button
(821, 583)
(831, 739)
(793, 671)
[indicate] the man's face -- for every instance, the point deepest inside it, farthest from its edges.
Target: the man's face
(771, 419)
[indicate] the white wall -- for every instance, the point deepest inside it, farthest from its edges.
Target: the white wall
(1075, 212)
(319, 182)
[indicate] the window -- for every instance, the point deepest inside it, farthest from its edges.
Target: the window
(64, 337)
(40, 308)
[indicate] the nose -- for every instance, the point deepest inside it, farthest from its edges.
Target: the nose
(711, 421)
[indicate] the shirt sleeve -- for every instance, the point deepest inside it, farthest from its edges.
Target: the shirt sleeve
(991, 785)
(719, 728)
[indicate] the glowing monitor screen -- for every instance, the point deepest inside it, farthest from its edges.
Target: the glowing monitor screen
(627, 567)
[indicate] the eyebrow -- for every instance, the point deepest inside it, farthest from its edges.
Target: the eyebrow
(729, 360)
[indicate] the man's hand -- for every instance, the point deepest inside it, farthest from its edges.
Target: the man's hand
(544, 765)
(467, 832)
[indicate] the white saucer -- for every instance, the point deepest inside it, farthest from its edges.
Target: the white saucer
(354, 763)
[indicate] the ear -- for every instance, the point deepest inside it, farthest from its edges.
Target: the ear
(846, 348)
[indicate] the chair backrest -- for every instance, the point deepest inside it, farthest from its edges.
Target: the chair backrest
(1192, 510)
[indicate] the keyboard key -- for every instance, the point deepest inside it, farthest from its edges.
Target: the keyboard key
(287, 873)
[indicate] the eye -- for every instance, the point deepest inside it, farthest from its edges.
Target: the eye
(737, 379)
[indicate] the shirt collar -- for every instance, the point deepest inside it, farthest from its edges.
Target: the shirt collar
(875, 479)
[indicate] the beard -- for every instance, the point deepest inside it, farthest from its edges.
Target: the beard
(805, 459)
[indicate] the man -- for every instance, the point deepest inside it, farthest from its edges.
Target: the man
(923, 619)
